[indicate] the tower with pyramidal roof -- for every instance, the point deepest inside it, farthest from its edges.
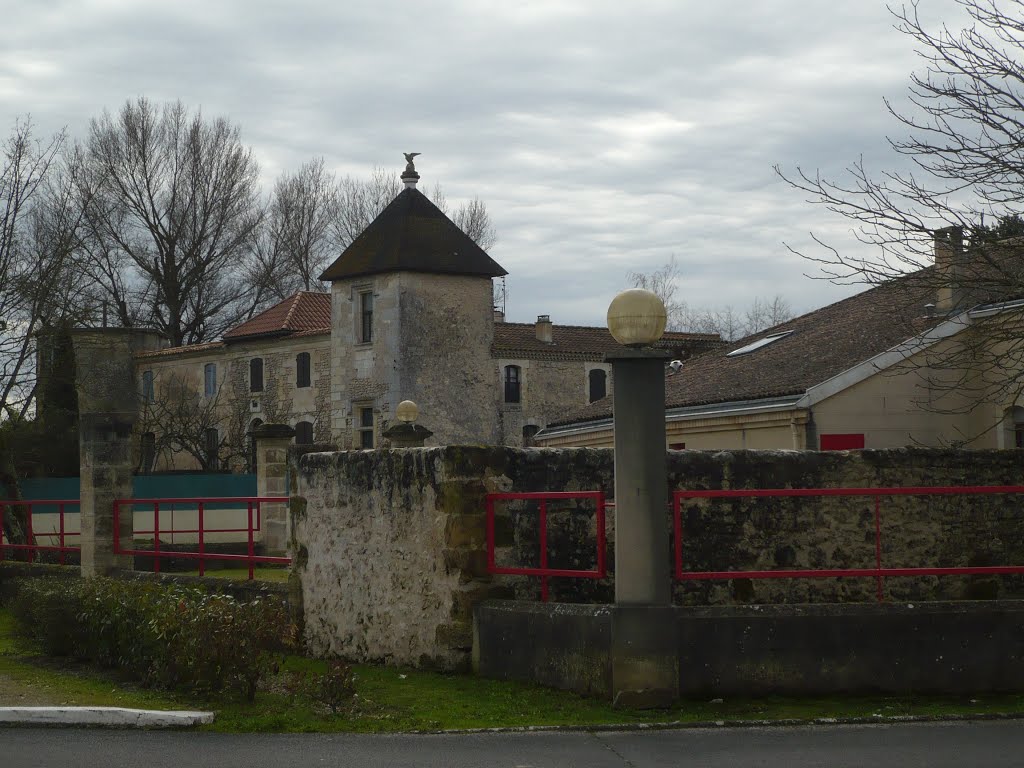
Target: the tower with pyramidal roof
(412, 319)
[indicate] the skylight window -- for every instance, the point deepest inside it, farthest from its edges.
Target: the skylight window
(763, 342)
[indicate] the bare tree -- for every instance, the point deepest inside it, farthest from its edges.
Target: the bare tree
(663, 283)
(38, 289)
(964, 141)
(172, 209)
(726, 321)
(300, 233)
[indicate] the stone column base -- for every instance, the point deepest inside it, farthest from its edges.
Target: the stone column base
(645, 657)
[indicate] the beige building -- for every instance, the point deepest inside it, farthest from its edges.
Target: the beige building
(898, 365)
(409, 316)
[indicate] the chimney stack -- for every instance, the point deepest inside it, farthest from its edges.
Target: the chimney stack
(499, 315)
(950, 267)
(545, 330)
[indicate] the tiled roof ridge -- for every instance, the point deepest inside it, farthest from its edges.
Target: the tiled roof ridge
(295, 299)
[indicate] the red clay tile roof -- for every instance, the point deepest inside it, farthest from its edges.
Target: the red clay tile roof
(823, 343)
(305, 312)
(413, 235)
(578, 342)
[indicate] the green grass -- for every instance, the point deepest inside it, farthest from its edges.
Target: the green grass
(391, 699)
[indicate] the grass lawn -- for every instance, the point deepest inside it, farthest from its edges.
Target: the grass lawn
(391, 699)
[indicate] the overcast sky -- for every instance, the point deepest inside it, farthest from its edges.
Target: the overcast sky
(604, 137)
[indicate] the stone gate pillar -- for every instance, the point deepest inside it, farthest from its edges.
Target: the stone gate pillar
(108, 406)
(272, 441)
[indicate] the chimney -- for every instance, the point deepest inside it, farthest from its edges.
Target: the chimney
(950, 266)
(499, 315)
(545, 331)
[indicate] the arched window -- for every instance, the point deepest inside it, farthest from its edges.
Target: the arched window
(302, 370)
(598, 384)
(304, 433)
(212, 449)
(256, 374)
(512, 381)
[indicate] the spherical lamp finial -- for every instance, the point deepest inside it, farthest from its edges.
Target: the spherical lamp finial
(636, 318)
(407, 412)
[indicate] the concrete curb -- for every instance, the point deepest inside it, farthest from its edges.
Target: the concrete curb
(111, 717)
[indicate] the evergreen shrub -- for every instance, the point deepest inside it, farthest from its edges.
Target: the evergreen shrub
(173, 637)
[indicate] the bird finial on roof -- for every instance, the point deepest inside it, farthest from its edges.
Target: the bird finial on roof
(409, 175)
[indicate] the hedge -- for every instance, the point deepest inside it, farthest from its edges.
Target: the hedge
(172, 637)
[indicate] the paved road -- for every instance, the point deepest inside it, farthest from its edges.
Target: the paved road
(936, 745)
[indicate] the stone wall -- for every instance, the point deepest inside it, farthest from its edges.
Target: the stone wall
(390, 548)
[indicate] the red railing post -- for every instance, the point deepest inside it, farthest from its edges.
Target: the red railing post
(156, 537)
(202, 547)
(601, 544)
(117, 525)
(543, 549)
(60, 516)
(677, 525)
(878, 546)
(490, 533)
(252, 551)
(31, 540)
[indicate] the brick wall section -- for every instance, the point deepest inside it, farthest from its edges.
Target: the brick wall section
(390, 551)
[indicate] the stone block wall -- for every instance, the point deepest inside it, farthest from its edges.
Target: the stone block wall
(390, 545)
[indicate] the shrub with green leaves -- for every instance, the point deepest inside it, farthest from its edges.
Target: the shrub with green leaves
(170, 637)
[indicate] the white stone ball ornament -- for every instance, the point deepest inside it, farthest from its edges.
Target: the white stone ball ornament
(407, 411)
(636, 318)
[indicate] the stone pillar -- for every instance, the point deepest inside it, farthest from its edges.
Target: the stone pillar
(645, 667)
(108, 406)
(272, 441)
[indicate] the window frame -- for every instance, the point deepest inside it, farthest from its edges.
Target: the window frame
(303, 370)
(255, 364)
(212, 448)
(210, 380)
(513, 384)
(591, 398)
(148, 386)
(365, 427)
(364, 326)
(301, 427)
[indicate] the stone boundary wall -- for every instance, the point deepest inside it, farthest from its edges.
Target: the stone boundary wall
(935, 648)
(389, 545)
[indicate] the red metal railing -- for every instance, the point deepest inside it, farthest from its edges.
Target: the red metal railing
(544, 572)
(33, 534)
(878, 572)
(252, 505)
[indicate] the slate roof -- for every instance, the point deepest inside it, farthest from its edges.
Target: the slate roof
(518, 341)
(412, 235)
(304, 313)
(823, 343)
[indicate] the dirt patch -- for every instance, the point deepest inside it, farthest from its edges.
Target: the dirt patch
(19, 693)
